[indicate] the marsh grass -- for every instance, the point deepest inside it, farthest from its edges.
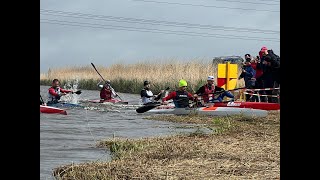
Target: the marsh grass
(248, 148)
(128, 78)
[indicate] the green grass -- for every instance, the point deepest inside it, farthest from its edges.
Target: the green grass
(133, 86)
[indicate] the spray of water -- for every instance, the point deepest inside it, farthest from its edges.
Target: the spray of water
(71, 84)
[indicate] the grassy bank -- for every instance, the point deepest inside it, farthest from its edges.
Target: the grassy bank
(238, 148)
(128, 78)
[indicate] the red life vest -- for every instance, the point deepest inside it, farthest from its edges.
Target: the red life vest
(105, 93)
(206, 94)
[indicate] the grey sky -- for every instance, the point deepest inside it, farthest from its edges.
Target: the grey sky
(63, 45)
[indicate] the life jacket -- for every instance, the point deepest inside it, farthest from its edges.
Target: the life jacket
(181, 100)
(105, 93)
(52, 98)
(146, 100)
(207, 95)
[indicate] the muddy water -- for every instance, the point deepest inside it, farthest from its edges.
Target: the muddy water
(66, 139)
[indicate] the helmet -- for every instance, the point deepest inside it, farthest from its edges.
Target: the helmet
(210, 78)
(146, 83)
(182, 82)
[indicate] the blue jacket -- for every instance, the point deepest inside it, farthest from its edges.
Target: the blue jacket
(250, 73)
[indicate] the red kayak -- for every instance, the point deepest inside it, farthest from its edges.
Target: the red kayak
(110, 100)
(253, 105)
(52, 110)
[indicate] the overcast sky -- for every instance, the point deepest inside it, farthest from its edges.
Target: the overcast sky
(105, 32)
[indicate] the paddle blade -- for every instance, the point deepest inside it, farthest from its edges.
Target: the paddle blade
(122, 102)
(146, 108)
(78, 92)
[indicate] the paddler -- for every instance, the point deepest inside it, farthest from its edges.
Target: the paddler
(55, 92)
(207, 92)
(106, 92)
(147, 96)
(180, 97)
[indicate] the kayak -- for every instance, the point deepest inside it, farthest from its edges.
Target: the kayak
(211, 111)
(52, 110)
(254, 105)
(64, 104)
(110, 100)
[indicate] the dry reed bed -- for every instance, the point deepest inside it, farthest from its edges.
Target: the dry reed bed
(245, 149)
(128, 78)
(153, 71)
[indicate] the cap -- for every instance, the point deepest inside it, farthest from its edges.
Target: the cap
(263, 49)
(210, 78)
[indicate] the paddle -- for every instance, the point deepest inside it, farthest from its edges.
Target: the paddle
(219, 92)
(105, 81)
(147, 107)
(161, 95)
(77, 92)
(42, 102)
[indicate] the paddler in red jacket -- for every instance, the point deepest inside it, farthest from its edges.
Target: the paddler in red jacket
(55, 92)
(207, 92)
(106, 92)
(180, 97)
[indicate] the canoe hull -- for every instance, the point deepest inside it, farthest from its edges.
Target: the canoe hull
(212, 111)
(52, 110)
(254, 105)
(111, 101)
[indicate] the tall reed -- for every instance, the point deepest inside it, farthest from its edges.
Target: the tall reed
(128, 78)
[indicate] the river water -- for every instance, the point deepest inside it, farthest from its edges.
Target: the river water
(66, 139)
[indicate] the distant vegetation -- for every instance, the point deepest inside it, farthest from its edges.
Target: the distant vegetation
(128, 78)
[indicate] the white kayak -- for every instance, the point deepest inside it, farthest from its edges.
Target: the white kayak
(211, 111)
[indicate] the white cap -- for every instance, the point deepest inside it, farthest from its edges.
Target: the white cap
(210, 78)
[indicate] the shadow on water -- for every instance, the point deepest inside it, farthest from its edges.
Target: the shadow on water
(66, 139)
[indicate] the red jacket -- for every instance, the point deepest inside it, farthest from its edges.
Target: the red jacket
(259, 71)
(105, 93)
(173, 95)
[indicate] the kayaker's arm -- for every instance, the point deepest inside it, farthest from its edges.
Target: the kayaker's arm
(65, 91)
(217, 88)
(200, 90)
(190, 96)
(158, 96)
(170, 96)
